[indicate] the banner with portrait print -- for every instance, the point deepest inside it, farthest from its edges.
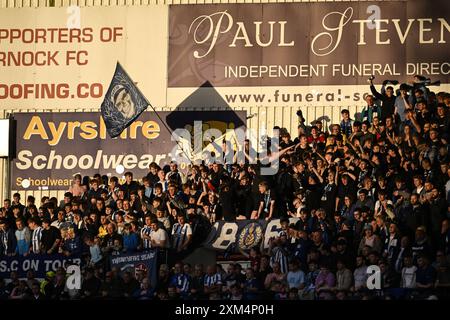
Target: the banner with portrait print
(123, 103)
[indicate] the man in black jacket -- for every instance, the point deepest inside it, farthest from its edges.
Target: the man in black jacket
(91, 285)
(387, 98)
(129, 186)
(8, 242)
(244, 196)
(51, 237)
(437, 211)
(413, 216)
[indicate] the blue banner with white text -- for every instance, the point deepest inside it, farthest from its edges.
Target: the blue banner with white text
(39, 264)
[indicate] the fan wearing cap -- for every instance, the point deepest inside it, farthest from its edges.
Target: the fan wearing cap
(51, 237)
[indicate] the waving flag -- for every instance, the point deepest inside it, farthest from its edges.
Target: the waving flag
(199, 105)
(123, 103)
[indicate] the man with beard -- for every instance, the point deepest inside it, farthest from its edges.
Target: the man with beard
(437, 211)
(425, 276)
(413, 215)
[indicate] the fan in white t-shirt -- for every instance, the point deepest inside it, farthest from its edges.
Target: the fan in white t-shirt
(409, 270)
(159, 236)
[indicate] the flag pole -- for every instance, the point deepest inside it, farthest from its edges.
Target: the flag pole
(170, 131)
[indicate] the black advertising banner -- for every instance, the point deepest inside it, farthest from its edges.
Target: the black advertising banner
(52, 147)
(243, 234)
(300, 44)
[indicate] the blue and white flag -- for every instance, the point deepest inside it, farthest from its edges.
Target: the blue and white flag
(123, 103)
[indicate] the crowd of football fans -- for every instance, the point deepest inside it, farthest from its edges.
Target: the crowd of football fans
(368, 192)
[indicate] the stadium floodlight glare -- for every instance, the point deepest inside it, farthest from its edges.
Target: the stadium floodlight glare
(120, 169)
(26, 183)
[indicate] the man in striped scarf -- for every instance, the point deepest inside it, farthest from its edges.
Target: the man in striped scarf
(180, 280)
(146, 233)
(212, 280)
(278, 251)
(36, 236)
(181, 234)
(8, 242)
